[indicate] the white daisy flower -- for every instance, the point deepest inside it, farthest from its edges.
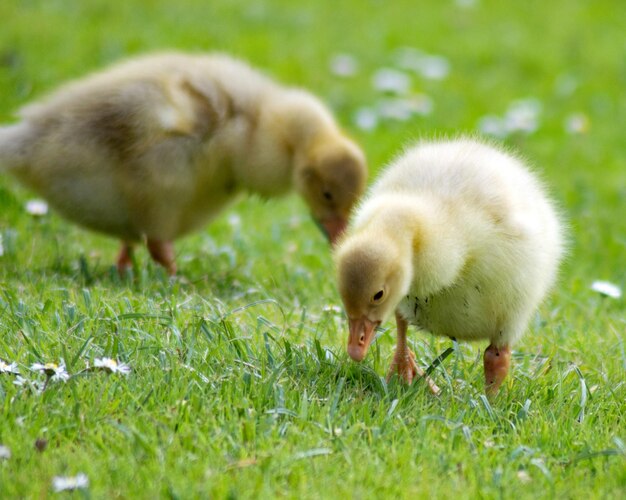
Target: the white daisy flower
(607, 288)
(366, 119)
(332, 308)
(421, 104)
(234, 220)
(408, 58)
(111, 366)
(22, 382)
(429, 66)
(523, 116)
(5, 452)
(70, 483)
(403, 109)
(8, 368)
(391, 80)
(295, 221)
(576, 124)
(38, 208)
(492, 125)
(434, 67)
(344, 65)
(52, 370)
(394, 109)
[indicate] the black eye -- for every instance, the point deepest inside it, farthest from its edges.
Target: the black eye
(378, 296)
(328, 195)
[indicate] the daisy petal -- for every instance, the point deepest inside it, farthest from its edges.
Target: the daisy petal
(8, 368)
(37, 208)
(111, 366)
(607, 288)
(70, 483)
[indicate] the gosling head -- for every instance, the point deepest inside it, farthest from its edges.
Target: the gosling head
(331, 177)
(372, 277)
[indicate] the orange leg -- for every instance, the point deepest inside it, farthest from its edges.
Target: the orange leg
(125, 258)
(497, 361)
(404, 360)
(163, 253)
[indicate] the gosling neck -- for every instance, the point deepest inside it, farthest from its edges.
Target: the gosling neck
(285, 132)
(301, 123)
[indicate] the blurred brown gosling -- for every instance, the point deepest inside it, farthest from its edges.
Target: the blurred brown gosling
(154, 148)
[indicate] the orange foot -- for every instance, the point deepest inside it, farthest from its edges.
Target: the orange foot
(496, 361)
(125, 259)
(162, 252)
(405, 366)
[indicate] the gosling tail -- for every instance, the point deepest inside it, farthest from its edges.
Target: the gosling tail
(15, 142)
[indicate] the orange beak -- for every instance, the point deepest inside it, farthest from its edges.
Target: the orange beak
(332, 227)
(361, 335)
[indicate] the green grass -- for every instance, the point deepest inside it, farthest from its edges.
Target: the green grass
(240, 385)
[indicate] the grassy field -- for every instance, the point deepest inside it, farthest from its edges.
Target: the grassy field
(240, 386)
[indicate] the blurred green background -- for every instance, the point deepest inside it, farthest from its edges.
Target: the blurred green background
(215, 406)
